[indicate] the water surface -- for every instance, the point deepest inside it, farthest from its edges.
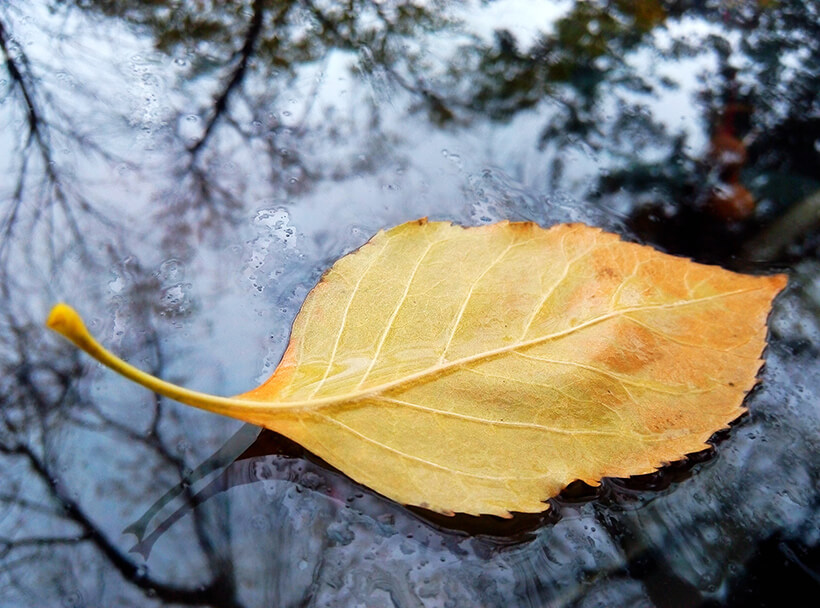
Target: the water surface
(184, 176)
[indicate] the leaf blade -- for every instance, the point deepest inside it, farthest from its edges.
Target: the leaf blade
(481, 370)
(636, 264)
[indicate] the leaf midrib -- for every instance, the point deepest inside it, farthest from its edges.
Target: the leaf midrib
(375, 391)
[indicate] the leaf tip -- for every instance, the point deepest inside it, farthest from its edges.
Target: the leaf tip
(779, 281)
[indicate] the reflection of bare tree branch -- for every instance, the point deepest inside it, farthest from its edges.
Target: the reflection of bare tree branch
(152, 439)
(18, 79)
(29, 505)
(236, 77)
(220, 592)
(19, 82)
(43, 399)
(7, 545)
(55, 188)
(440, 107)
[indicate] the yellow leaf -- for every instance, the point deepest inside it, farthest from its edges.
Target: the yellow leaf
(481, 370)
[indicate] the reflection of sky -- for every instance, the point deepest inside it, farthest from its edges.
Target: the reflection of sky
(678, 107)
(422, 170)
(526, 19)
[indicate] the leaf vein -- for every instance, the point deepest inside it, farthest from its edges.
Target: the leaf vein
(393, 316)
(624, 380)
(667, 336)
(353, 293)
(511, 424)
(415, 458)
(470, 295)
(552, 288)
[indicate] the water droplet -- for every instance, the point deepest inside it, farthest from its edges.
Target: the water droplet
(117, 284)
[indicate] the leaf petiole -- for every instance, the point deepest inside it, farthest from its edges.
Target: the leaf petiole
(64, 320)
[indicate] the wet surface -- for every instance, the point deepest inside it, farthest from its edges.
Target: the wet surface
(183, 177)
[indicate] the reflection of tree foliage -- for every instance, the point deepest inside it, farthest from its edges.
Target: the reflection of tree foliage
(583, 67)
(583, 76)
(596, 93)
(584, 54)
(759, 107)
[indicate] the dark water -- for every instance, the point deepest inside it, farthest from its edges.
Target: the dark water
(183, 172)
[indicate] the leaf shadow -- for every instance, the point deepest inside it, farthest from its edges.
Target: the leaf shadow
(234, 465)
